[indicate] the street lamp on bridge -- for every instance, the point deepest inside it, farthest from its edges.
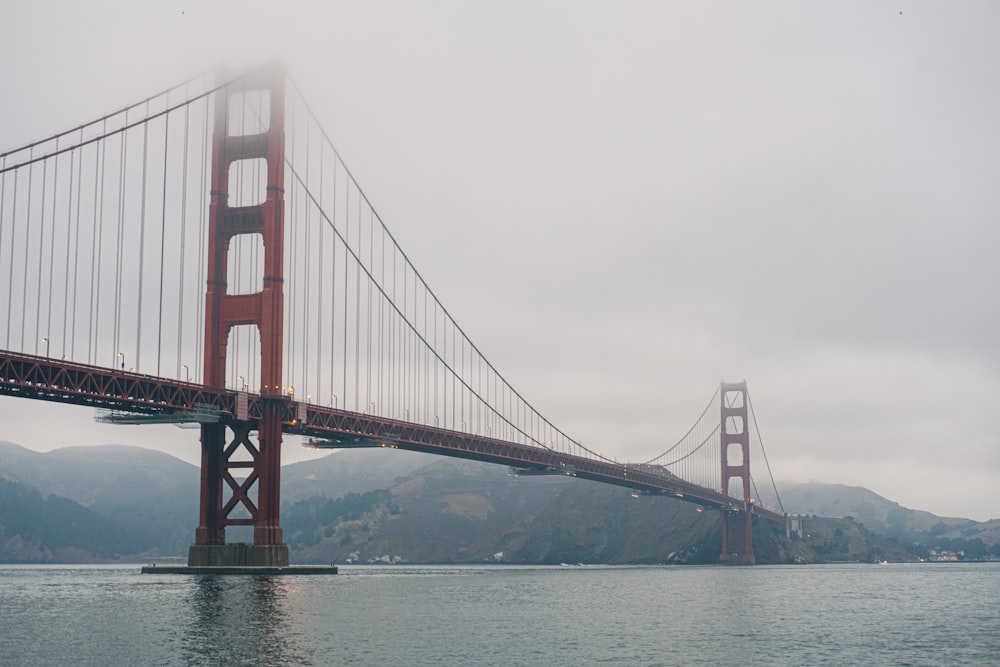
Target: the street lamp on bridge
(46, 341)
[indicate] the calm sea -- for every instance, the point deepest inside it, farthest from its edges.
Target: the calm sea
(929, 614)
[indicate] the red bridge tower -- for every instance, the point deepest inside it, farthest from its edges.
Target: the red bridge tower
(257, 494)
(735, 439)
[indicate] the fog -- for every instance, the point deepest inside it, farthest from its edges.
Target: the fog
(624, 205)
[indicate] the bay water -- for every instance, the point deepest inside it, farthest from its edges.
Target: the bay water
(912, 614)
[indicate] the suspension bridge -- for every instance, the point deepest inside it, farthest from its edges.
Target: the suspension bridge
(205, 256)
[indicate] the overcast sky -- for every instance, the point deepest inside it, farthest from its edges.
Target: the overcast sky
(624, 203)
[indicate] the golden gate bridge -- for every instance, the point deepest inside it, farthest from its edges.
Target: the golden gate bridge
(205, 256)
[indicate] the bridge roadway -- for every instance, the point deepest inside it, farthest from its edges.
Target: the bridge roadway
(153, 399)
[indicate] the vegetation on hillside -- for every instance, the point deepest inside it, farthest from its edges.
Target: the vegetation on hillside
(54, 529)
(92, 504)
(307, 522)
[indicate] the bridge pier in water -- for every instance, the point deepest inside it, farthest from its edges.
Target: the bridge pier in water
(257, 494)
(221, 458)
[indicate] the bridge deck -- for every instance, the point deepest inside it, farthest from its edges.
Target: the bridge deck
(46, 379)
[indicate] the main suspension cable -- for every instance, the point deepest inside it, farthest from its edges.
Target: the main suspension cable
(764, 452)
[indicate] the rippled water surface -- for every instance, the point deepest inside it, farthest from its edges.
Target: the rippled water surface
(928, 614)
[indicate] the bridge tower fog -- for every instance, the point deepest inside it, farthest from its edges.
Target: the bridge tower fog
(221, 455)
(735, 456)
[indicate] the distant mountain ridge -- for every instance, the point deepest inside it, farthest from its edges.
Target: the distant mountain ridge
(349, 471)
(460, 511)
(359, 505)
(890, 518)
(152, 496)
(37, 529)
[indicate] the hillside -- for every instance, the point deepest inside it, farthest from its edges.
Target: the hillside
(920, 531)
(349, 471)
(53, 529)
(151, 496)
(460, 511)
(360, 505)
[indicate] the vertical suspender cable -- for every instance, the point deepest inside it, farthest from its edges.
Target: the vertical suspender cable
(292, 270)
(414, 353)
(333, 289)
(163, 240)
(461, 375)
(414, 336)
(454, 386)
(118, 240)
(234, 268)
(371, 254)
(96, 248)
(381, 324)
(393, 357)
(479, 391)
(203, 206)
(306, 310)
(142, 241)
(347, 238)
(253, 333)
(69, 245)
(256, 269)
(436, 361)
(76, 251)
(426, 373)
(183, 232)
(41, 255)
(52, 249)
(357, 313)
(10, 264)
(27, 241)
(405, 340)
(320, 313)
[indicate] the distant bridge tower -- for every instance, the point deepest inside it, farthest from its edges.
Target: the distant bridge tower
(735, 440)
(223, 457)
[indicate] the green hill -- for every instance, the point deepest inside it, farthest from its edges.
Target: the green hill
(457, 511)
(151, 496)
(53, 529)
(83, 504)
(919, 531)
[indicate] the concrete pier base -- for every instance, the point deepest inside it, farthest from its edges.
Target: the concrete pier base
(237, 569)
(238, 559)
(238, 555)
